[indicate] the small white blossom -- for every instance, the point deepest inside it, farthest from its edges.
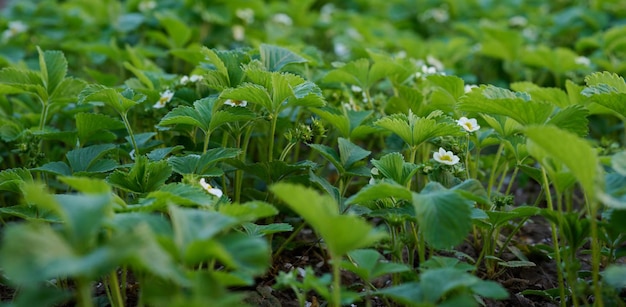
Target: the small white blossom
(469, 124)
(165, 98)
(247, 15)
(530, 34)
(236, 103)
(341, 50)
(283, 19)
(469, 87)
(372, 181)
(582, 60)
(15, 28)
(434, 62)
(184, 80)
(146, 6)
(356, 88)
(195, 78)
(446, 157)
(374, 171)
(518, 21)
(326, 12)
(437, 14)
(132, 154)
(213, 191)
(239, 32)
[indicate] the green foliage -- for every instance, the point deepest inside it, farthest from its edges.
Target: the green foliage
(143, 177)
(414, 130)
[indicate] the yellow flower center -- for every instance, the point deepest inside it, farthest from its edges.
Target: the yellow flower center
(237, 102)
(446, 158)
(469, 126)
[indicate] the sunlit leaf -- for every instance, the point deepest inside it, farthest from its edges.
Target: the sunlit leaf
(274, 58)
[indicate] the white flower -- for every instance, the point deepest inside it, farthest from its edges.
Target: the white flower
(341, 50)
(518, 21)
(283, 19)
(469, 124)
(236, 103)
(132, 154)
(374, 171)
(356, 88)
(446, 157)
(165, 98)
(239, 32)
(581, 60)
(15, 28)
(195, 78)
(469, 87)
(247, 15)
(184, 80)
(326, 12)
(213, 191)
(434, 62)
(146, 6)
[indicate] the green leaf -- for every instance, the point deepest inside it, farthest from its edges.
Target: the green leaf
(321, 212)
(473, 190)
(193, 226)
(179, 194)
(250, 211)
(552, 95)
(608, 90)
(205, 116)
(558, 61)
(250, 92)
(567, 148)
(443, 215)
(88, 159)
(177, 31)
(501, 43)
(274, 58)
(33, 253)
(86, 185)
(161, 153)
(255, 230)
(204, 164)
(12, 179)
(143, 177)
(497, 101)
(379, 191)
(88, 124)
(369, 264)
(573, 119)
(110, 97)
(57, 168)
(415, 130)
(614, 276)
(394, 167)
(53, 67)
(359, 73)
(350, 153)
(83, 216)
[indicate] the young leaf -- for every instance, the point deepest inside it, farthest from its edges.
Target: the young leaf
(394, 167)
(369, 264)
(204, 115)
(110, 97)
(379, 191)
(88, 159)
(143, 177)
(608, 90)
(416, 130)
(89, 124)
(53, 67)
(12, 179)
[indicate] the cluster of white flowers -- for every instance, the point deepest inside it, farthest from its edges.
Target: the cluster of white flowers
(236, 103)
(211, 190)
(431, 66)
(164, 99)
(448, 157)
(15, 28)
(193, 79)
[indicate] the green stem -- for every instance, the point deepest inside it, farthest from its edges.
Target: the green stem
(207, 137)
(511, 180)
(130, 133)
(467, 158)
(44, 114)
(114, 286)
(336, 301)
(270, 151)
(595, 253)
(84, 293)
(288, 148)
(494, 167)
(555, 238)
(289, 239)
(412, 160)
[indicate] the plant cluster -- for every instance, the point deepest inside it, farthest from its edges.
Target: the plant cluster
(184, 153)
